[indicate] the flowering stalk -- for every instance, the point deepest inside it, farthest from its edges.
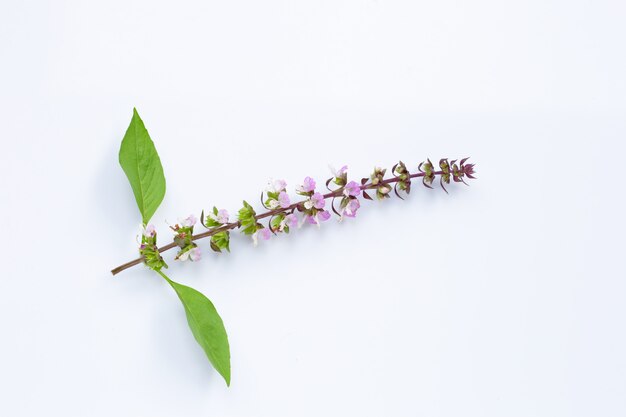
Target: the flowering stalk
(141, 163)
(219, 226)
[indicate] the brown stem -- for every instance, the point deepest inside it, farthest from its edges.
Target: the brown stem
(269, 213)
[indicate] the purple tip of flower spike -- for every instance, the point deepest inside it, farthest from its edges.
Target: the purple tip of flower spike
(469, 170)
(283, 199)
(222, 216)
(308, 185)
(352, 189)
(195, 254)
(318, 201)
(265, 233)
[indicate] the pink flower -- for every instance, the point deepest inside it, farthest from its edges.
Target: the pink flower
(189, 221)
(351, 208)
(291, 220)
(283, 199)
(276, 186)
(323, 215)
(341, 172)
(318, 201)
(222, 216)
(149, 231)
(195, 254)
(352, 189)
(307, 186)
(265, 233)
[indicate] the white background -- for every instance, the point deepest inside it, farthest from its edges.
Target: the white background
(505, 298)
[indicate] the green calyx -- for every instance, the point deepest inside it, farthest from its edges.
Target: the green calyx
(246, 217)
(150, 253)
(220, 241)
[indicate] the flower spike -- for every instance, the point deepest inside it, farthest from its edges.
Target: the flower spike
(283, 214)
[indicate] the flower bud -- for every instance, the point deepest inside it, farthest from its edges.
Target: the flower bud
(429, 174)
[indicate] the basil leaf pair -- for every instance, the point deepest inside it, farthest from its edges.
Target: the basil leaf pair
(142, 165)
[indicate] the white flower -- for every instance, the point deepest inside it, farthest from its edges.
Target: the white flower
(273, 204)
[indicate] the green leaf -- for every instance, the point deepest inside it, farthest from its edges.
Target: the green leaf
(141, 163)
(206, 325)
